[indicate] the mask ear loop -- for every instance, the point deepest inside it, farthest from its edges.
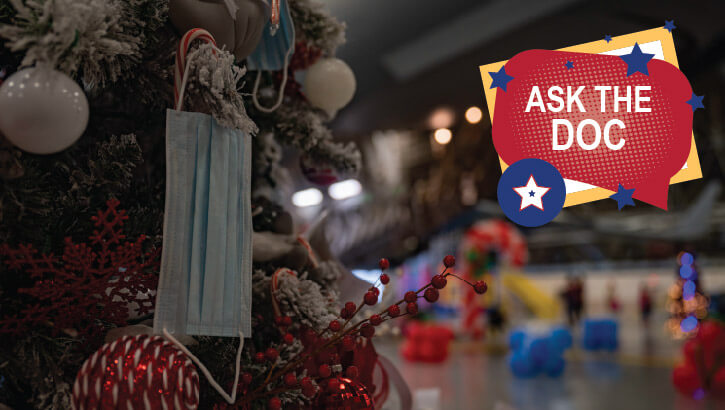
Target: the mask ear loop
(229, 398)
(280, 92)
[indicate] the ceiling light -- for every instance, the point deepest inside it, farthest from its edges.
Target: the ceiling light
(307, 197)
(442, 118)
(345, 189)
(473, 115)
(442, 136)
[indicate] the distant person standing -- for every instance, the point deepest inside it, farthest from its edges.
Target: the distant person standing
(645, 303)
(612, 299)
(573, 296)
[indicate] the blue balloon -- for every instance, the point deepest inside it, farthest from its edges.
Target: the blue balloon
(516, 339)
(539, 351)
(521, 365)
(554, 366)
(561, 338)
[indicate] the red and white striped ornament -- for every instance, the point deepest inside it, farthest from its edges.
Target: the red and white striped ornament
(137, 372)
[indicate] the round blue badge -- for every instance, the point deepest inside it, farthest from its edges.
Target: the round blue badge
(531, 192)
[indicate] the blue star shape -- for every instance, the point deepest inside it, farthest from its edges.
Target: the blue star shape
(670, 25)
(637, 61)
(500, 79)
(569, 65)
(623, 197)
(532, 193)
(607, 38)
(696, 102)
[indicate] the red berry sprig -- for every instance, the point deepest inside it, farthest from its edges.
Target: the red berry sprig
(347, 336)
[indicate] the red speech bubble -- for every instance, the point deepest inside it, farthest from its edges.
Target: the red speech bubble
(656, 143)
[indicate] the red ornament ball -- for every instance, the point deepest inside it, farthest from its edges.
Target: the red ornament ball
(410, 296)
(247, 378)
(384, 264)
(137, 371)
(412, 308)
(376, 320)
(431, 295)
(384, 279)
(271, 354)
(274, 403)
(286, 321)
(439, 281)
(290, 379)
(345, 314)
(288, 338)
(352, 372)
(449, 261)
(367, 330)
(375, 290)
(350, 306)
(335, 326)
(394, 311)
(371, 298)
(306, 382)
(480, 287)
(324, 370)
(345, 394)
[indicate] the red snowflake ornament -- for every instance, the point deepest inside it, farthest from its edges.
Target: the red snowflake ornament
(100, 281)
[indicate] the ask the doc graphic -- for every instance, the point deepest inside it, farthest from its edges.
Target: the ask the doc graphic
(613, 118)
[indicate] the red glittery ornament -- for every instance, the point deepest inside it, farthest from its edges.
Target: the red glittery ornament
(384, 264)
(384, 279)
(376, 320)
(449, 261)
(345, 394)
(371, 298)
(411, 308)
(137, 372)
(410, 296)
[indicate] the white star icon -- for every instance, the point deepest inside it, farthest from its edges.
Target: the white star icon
(531, 194)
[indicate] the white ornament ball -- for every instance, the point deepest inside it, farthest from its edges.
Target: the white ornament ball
(329, 84)
(42, 111)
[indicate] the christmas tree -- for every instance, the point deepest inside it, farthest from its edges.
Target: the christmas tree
(86, 88)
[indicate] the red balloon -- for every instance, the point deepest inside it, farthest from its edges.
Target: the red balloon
(686, 379)
(717, 385)
(690, 350)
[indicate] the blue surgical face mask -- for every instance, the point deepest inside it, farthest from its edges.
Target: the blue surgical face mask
(273, 53)
(205, 284)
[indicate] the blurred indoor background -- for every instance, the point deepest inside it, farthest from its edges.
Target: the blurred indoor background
(429, 180)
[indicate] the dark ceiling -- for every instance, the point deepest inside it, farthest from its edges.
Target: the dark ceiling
(411, 57)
